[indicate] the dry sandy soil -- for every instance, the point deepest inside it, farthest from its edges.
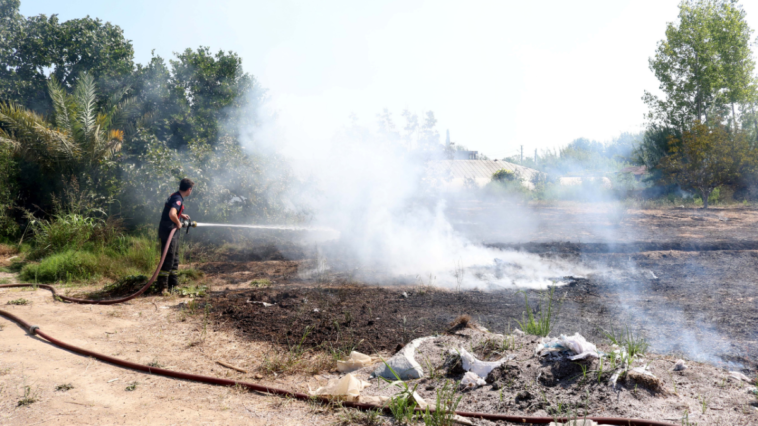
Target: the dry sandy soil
(704, 281)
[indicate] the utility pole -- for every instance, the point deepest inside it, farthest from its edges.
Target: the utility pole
(522, 154)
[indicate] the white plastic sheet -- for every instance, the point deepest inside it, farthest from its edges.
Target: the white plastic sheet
(480, 368)
(348, 387)
(356, 361)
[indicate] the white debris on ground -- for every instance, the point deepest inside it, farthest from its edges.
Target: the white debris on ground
(356, 361)
(471, 380)
(348, 387)
(445, 358)
(576, 344)
(402, 365)
(480, 368)
(739, 376)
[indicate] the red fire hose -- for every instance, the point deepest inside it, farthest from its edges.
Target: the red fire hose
(33, 329)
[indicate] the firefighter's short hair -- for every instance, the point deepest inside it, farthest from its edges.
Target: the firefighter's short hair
(186, 184)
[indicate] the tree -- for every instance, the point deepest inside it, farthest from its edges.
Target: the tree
(706, 158)
(32, 49)
(80, 142)
(704, 65)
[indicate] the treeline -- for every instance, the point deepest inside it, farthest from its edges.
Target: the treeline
(83, 127)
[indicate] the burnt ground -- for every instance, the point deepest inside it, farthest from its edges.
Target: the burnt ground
(683, 279)
(702, 305)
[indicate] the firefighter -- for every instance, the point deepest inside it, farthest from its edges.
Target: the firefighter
(172, 218)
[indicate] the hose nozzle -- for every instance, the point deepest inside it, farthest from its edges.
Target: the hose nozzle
(189, 224)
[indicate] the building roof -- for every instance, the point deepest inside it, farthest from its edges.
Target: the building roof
(457, 172)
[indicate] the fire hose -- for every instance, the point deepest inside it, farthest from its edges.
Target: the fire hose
(35, 330)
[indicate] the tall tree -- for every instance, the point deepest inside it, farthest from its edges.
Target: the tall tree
(704, 65)
(32, 49)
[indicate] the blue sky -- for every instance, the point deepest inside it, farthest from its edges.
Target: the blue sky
(498, 74)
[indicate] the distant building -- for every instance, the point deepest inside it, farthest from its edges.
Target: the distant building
(456, 153)
(459, 174)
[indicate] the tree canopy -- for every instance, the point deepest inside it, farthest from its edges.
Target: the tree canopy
(704, 66)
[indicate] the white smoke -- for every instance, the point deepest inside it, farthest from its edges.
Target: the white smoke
(372, 187)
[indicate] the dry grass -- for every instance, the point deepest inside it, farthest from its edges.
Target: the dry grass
(461, 321)
(282, 361)
(8, 250)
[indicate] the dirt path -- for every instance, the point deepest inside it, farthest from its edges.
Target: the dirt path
(146, 330)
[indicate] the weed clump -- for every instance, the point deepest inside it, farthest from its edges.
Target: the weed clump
(540, 323)
(260, 283)
(64, 387)
(28, 399)
(634, 345)
(19, 302)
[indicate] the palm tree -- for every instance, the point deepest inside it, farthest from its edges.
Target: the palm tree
(78, 138)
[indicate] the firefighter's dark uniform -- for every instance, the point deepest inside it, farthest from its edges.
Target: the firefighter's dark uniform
(168, 274)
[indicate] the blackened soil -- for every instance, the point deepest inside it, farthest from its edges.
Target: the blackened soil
(700, 305)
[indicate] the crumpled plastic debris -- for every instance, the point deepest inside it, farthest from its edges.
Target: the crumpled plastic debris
(348, 387)
(739, 376)
(265, 304)
(356, 361)
(374, 399)
(472, 380)
(518, 332)
(680, 365)
(480, 368)
(576, 344)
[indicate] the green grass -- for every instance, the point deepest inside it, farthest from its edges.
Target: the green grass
(123, 256)
(19, 302)
(260, 283)
(634, 345)
(541, 322)
(444, 407)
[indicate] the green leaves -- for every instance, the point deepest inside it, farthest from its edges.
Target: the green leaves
(707, 157)
(704, 64)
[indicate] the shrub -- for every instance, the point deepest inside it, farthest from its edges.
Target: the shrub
(70, 265)
(126, 255)
(61, 232)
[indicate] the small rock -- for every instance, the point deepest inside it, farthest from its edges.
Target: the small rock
(405, 295)
(645, 378)
(518, 332)
(316, 310)
(680, 365)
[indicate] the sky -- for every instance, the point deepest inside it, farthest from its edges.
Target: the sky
(497, 74)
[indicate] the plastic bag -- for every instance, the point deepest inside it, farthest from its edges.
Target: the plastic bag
(472, 380)
(349, 387)
(356, 361)
(576, 344)
(480, 368)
